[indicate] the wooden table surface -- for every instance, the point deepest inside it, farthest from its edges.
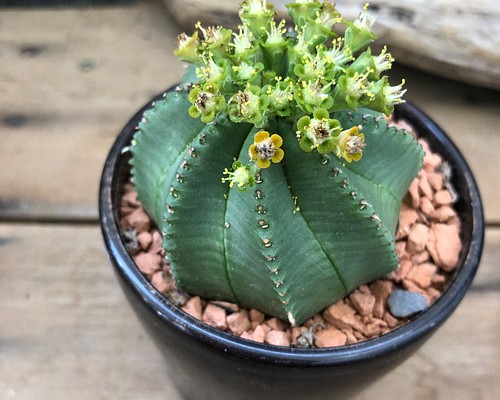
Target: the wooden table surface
(69, 80)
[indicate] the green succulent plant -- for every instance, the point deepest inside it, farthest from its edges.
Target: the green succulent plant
(291, 121)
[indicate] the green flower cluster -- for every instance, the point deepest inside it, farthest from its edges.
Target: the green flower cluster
(265, 71)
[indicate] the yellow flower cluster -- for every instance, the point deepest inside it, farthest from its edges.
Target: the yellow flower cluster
(265, 149)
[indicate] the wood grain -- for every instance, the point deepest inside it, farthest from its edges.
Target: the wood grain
(66, 330)
(66, 92)
(71, 78)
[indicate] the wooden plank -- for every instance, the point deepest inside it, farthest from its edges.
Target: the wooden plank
(72, 80)
(488, 278)
(459, 362)
(68, 84)
(66, 330)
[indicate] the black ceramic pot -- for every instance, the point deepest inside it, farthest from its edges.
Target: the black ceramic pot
(208, 364)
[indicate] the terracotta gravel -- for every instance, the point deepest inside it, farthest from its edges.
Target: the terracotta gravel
(428, 244)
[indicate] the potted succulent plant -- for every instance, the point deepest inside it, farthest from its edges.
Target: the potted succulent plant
(276, 183)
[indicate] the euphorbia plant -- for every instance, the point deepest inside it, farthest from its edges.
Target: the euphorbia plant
(272, 173)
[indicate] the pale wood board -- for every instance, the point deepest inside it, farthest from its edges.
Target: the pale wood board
(71, 78)
(95, 67)
(67, 332)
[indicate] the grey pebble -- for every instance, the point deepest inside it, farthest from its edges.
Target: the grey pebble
(405, 304)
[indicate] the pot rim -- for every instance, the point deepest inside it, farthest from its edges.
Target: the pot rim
(418, 328)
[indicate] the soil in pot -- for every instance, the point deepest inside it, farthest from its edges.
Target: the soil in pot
(428, 244)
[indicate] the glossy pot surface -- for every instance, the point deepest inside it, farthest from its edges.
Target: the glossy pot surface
(206, 363)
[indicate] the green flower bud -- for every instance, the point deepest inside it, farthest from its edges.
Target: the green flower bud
(303, 10)
(248, 106)
(318, 132)
(386, 96)
(247, 73)
(312, 95)
(207, 102)
(363, 63)
(383, 61)
(188, 48)
(242, 175)
(318, 30)
(358, 33)
(212, 71)
(268, 77)
(244, 46)
(352, 90)
(275, 46)
(372, 64)
(328, 16)
(315, 67)
(339, 55)
(257, 15)
(280, 97)
(316, 34)
(215, 40)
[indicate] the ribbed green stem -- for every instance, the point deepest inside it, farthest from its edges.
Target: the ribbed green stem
(311, 230)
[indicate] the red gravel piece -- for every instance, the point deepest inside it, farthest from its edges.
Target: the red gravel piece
(363, 301)
(239, 322)
(194, 307)
(148, 263)
(277, 338)
(330, 337)
(215, 316)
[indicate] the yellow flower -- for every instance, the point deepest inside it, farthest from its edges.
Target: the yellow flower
(266, 149)
(351, 143)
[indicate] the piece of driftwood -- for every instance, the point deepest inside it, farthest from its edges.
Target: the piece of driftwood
(455, 39)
